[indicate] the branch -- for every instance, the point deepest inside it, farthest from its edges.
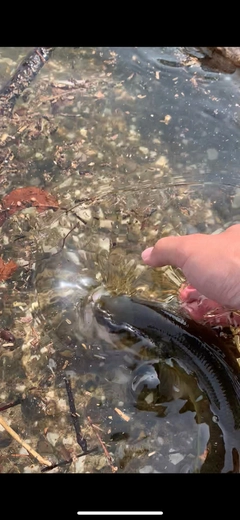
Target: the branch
(25, 73)
(23, 443)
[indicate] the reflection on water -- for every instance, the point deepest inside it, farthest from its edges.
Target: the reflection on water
(136, 144)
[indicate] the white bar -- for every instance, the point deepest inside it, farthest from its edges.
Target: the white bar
(120, 512)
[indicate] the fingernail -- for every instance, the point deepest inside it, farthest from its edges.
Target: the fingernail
(146, 254)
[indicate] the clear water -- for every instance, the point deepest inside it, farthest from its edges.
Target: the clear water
(135, 143)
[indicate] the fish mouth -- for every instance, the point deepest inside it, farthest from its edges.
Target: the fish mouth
(103, 314)
(111, 309)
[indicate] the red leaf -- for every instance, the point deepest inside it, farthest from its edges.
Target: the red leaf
(7, 269)
(24, 198)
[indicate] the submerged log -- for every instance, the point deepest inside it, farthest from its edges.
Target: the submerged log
(25, 73)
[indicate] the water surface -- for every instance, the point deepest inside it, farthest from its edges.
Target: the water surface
(136, 144)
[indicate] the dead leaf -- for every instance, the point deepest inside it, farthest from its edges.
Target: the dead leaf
(22, 198)
(7, 269)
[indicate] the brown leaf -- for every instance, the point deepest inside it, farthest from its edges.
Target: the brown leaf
(7, 269)
(26, 197)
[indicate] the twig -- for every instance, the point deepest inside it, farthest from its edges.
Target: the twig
(123, 415)
(75, 417)
(79, 201)
(106, 453)
(65, 238)
(69, 461)
(25, 73)
(80, 218)
(23, 443)
(62, 95)
(69, 233)
(10, 405)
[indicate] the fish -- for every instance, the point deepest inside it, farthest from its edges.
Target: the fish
(200, 351)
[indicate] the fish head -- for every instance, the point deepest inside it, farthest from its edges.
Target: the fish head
(124, 311)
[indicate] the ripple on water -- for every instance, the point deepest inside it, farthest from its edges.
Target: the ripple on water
(155, 155)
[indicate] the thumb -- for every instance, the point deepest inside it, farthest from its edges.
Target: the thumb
(167, 251)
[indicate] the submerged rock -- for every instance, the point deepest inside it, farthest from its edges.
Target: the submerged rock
(223, 59)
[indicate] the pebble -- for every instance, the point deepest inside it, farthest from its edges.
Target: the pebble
(31, 469)
(79, 465)
(146, 469)
(66, 183)
(23, 451)
(38, 156)
(35, 181)
(62, 405)
(144, 150)
(52, 438)
(130, 166)
(191, 229)
(212, 154)
(67, 440)
(43, 350)
(20, 388)
(83, 132)
(104, 243)
(106, 223)
(70, 136)
(153, 154)
(44, 447)
(101, 463)
(217, 231)
(52, 364)
(149, 398)
(175, 458)
(86, 214)
(161, 161)
(73, 257)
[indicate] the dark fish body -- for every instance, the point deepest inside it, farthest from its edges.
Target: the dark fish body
(201, 351)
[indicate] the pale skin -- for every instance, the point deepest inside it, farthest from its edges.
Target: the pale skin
(210, 263)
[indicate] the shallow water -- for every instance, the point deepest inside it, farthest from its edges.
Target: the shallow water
(135, 143)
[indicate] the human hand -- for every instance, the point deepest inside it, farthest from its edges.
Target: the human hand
(211, 264)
